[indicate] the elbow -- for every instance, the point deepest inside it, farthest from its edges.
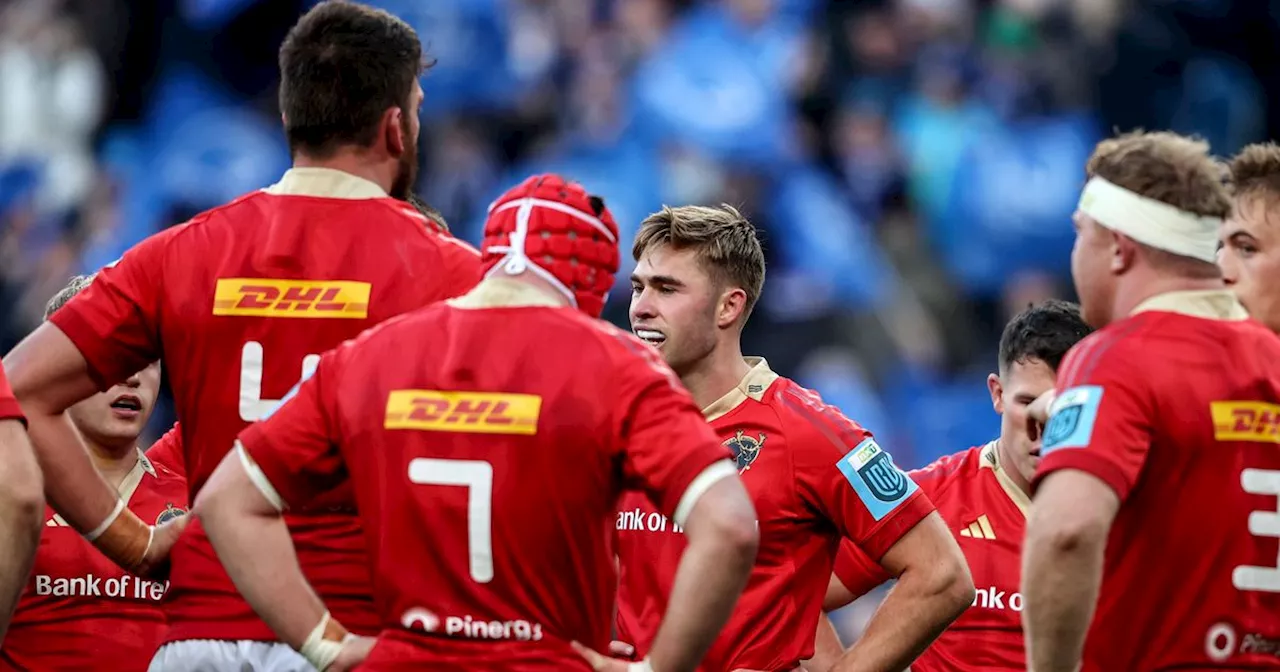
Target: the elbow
(1065, 535)
(23, 495)
(950, 584)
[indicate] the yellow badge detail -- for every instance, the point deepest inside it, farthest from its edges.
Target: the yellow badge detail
(260, 297)
(472, 412)
(1256, 421)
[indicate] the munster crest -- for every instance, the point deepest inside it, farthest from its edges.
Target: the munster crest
(170, 512)
(745, 448)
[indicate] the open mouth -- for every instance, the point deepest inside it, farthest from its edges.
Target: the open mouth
(1035, 453)
(127, 402)
(651, 336)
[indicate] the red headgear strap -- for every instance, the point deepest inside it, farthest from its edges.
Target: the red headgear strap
(555, 230)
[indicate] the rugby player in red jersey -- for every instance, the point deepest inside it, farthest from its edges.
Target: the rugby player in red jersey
(983, 495)
(1154, 538)
(814, 475)
(240, 302)
(21, 503)
(1250, 240)
(79, 610)
(504, 424)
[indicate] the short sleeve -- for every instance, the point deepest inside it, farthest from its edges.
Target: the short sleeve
(1101, 420)
(859, 573)
(296, 445)
(167, 451)
(115, 321)
(669, 450)
(846, 477)
(9, 408)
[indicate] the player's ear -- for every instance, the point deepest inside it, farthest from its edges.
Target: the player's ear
(391, 129)
(996, 388)
(1123, 250)
(733, 303)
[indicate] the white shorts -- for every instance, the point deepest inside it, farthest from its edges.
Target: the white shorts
(208, 655)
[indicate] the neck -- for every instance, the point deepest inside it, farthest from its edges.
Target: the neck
(353, 162)
(717, 373)
(114, 463)
(535, 281)
(1006, 465)
(1149, 283)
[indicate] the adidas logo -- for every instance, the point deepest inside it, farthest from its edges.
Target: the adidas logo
(979, 529)
(56, 521)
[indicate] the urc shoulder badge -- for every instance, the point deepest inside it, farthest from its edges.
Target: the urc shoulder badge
(745, 448)
(170, 512)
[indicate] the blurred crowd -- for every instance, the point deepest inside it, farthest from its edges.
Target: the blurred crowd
(912, 164)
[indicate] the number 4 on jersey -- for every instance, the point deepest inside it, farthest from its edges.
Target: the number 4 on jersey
(252, 406)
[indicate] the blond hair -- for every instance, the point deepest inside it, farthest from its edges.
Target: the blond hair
(725, 243)
(1255, 171)
(76, 285)
(1170, 168)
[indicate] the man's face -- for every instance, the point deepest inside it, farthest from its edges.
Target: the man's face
(407, 173)
(1250, 260)
(115, 418)
(673, 306)
(1011, 393)
(1091, 259)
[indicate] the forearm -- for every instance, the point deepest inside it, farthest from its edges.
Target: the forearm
(917, 609)
(708, 581)
(827, 648)
(21, 510)
(72, 483)
(1060, 584)
(258, 554)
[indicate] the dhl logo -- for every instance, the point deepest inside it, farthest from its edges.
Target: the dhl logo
(1256, 421)
(260, 297)
(471, 412)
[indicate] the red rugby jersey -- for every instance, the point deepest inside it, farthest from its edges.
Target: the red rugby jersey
(9, 409)
(1177, 409)
(239, 303)
(488, 440)
(79, 611)
(986, 512)
(815, 476)
(167, 451)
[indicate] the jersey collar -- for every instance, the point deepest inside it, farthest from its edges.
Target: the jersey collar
(1211, 304)
(752, 386)
(134, 478)
(990, 459)
(504, 293)
(325, 183)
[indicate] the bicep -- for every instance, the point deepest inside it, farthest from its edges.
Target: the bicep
(1072, 504)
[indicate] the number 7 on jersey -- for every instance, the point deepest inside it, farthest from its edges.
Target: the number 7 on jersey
(477, 477)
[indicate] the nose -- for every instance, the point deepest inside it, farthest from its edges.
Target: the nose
(133, 381)
(642, 306)
(1227, 263)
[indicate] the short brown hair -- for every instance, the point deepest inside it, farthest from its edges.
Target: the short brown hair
(1166, 167)
(1255, 171)
(76, 285)
(341, 66)
(1170, 168)
(726, 243)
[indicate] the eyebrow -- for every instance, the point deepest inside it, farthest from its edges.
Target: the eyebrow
(657, 280)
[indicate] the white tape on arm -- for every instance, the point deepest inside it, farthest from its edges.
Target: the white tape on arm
(318, 651)
(642, 666)
(258, 478)
(1151, 222)
(92, 535)
(699, 486)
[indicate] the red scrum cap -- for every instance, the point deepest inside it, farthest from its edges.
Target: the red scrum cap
(554, 229)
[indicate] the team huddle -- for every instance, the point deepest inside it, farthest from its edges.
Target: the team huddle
(396, 451)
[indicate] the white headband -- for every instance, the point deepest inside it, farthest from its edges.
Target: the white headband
(516, 261)
(1151, 222)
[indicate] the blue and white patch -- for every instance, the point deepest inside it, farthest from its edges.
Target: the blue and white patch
(880, 484)
(1071, 418)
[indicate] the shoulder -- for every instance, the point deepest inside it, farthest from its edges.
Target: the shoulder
(949, 472)
(1118, 347)
(814, 430)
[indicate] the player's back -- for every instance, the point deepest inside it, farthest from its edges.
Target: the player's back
(242, 300)
(487, 461)
(1191, 541)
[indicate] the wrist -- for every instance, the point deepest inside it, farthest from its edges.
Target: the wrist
(123, 538)
(324, 642)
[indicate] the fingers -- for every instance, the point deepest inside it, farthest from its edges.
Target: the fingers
(623, 649)
(597, 661)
